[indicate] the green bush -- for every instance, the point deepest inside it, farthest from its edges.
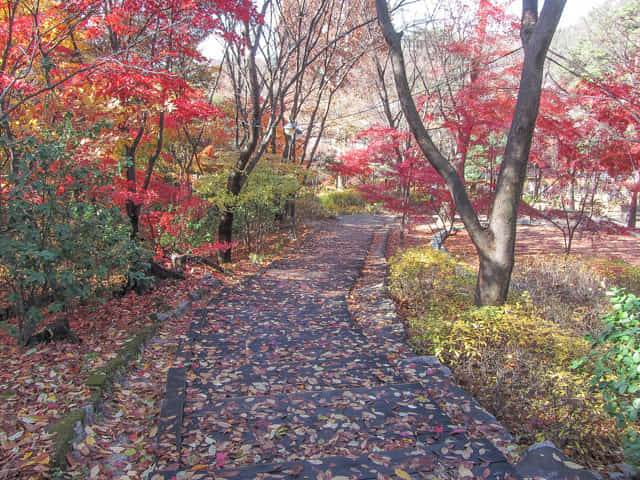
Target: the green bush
(261, 203)
(190, 229)
(417, 273)
(308, 206)
(58, 242)
(615, 364)
(347, 202)
(511, 358)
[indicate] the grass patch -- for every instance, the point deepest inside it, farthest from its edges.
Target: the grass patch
(515, 359)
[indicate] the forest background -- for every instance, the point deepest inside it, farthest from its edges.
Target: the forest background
(128, 156)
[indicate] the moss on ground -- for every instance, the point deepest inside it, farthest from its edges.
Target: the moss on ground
(64, 433)
(100, 381)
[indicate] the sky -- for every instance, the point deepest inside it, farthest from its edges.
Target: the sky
(573, 12)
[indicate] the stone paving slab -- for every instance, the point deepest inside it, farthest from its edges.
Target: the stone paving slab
(453, 459)
(364, 370)
(312, 425)
(242, 350)
(462, 408)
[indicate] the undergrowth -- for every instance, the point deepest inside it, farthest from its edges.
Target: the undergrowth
(346, 202)
(516, 359)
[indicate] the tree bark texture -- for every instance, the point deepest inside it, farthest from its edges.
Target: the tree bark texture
(234, 186)
(250, 153)
(133, 209)
(494, 243)
(633, 210)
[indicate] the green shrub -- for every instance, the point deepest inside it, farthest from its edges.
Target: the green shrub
(615, 363)
(261, 204)
(308, 206)
(190, 228)
(346, 202)
(58, 242)
(417, 273)
(511, 358)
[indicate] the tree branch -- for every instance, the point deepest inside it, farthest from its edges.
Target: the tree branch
(444, 168)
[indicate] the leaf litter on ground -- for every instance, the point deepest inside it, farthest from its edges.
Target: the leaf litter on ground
(41, 384)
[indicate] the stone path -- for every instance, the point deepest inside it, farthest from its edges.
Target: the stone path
(279, 380)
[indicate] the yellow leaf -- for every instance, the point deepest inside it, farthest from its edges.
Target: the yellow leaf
(90, 441)
(402, 474)
(464, 472)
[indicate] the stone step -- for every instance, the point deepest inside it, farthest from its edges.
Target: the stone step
(321, 319)
(311, 425)
(303, 313)
(454, 458)
(235, 350)
(365, 370)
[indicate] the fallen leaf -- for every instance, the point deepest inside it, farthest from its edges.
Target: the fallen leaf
(464, 472)
(221, 458)
(572, 465)
(95, 470)
(402, 474)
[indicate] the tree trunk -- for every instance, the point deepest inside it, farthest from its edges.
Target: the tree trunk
(225, 232)
(286, 151)
(253, 150)
(54, 332)
(633, 210)
(495, 245)
(493, 280)
(133, 212)
(133, 209)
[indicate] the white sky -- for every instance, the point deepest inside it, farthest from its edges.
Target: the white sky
(573, 12)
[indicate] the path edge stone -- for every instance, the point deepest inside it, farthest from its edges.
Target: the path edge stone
(410, 366)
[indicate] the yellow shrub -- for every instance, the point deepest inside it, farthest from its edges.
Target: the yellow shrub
(513, 360)
(416, 273)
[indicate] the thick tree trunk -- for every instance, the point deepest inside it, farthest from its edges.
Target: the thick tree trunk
(236, 181)
(133, 212)
(495, 244)
(133, 209)
(225, 234)
(633, 210)
(492, 285)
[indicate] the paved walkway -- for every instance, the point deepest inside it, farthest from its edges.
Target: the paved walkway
(277, 380)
